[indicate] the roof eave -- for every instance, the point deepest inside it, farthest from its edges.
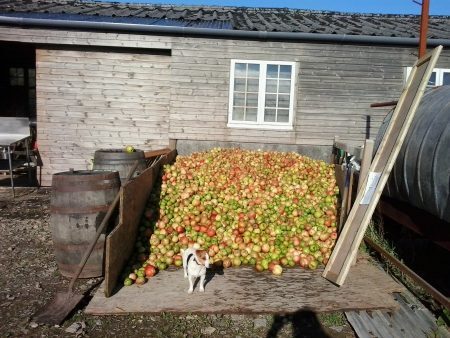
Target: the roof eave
(217, 33)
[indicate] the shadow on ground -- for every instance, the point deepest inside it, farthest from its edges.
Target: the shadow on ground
(304, 324)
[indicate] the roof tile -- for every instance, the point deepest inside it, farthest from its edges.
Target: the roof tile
(239, 18)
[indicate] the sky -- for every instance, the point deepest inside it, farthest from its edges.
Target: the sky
(437, 7)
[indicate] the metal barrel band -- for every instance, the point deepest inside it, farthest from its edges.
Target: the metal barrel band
(79, 210)
(86, 186)
(67, 247)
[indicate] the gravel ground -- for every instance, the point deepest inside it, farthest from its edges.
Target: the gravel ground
(29, 278)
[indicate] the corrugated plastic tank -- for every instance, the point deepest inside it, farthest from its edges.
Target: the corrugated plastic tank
(421, 174)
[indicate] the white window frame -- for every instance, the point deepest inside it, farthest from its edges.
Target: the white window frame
(260, 124)
(439, 75)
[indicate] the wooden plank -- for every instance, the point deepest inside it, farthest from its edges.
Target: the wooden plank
(243, 290)
(366, 160)
(358, 220)
(133, 199)
(419, 221)
(120, 242)
(158, 152)
(344, 195)
(350, 190)
(352, 148)
(172, 143)
(339, 173)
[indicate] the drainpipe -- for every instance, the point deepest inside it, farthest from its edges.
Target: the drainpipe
(424, 27)
(218, 33)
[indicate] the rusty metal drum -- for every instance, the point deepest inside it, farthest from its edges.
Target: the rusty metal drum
(79, 201)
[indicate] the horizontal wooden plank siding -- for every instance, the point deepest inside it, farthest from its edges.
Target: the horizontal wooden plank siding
(178, 87)
(335, 86)
(61, 37)
(81, 109)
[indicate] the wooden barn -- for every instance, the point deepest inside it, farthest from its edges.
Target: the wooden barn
(105, 75)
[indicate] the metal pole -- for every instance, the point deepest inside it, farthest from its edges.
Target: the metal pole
(438, 296)
(10, 170)
(424, 27)
(27, 147)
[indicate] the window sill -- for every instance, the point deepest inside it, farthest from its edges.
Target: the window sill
(259, 126)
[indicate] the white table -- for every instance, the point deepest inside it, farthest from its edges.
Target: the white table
(12, 131)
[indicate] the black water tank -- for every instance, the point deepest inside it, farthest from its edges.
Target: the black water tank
(421, 174)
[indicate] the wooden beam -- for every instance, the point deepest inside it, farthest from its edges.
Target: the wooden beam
(366, 160)
(353, 232)
(419, 221)
(158, 152)
(350, 147)
(172, 144)
(436, 294)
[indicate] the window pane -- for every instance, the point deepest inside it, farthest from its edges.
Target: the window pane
(238, 114)
(271, 100)
(283, 115)
(239, 85)
(271, 86)
(285, 72)
(252, 100)
(31, 77)
(432, 81)
(250, 114)
(239, 99)
(240, 69)
(269, 115)
(253, 85)
(272, 71)
(283, 101)
(253, 70)
(285, 86)
(445, 78)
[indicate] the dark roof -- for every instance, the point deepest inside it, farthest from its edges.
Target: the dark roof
(236, 18)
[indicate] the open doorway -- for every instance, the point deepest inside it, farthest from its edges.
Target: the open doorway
(18, 80)
(18, 100)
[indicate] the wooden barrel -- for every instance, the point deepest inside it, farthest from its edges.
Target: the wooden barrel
(119, 160)
(79, 201)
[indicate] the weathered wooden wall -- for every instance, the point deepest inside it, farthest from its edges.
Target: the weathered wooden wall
(89, 99)
(92, 100)
(335, 86)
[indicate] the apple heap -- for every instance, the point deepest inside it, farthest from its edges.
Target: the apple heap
(261, 208)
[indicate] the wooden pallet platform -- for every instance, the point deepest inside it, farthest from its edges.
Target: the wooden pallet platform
(242, 290)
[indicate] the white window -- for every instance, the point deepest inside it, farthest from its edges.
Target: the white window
(439, 77)
(261, 94)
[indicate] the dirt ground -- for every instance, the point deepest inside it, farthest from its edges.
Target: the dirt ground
(29, 278)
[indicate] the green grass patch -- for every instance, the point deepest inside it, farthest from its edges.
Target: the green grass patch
(332, 319)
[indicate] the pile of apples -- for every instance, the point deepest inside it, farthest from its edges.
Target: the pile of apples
(261, 208)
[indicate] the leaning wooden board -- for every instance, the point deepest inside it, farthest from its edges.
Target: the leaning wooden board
(367, 198)
(120, 242)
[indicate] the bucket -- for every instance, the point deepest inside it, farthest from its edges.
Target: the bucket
(79, 201)
(119, 160)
